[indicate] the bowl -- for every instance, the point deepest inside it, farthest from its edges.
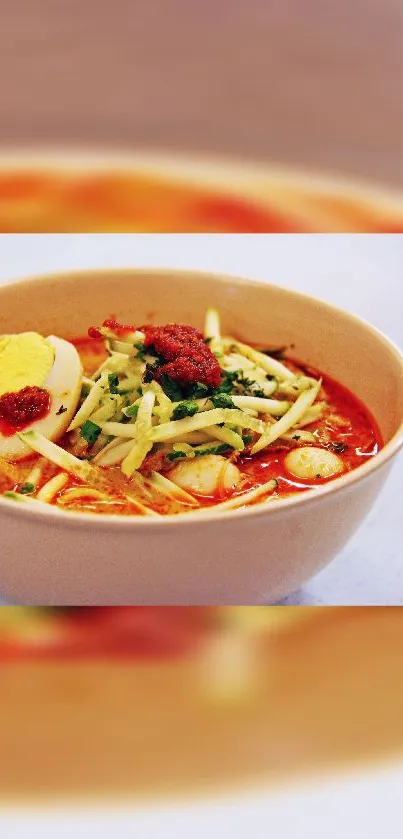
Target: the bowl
(249, 556)
(56, 190)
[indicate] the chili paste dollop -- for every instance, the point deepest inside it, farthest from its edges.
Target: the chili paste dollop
(187, 357)
(18, 410)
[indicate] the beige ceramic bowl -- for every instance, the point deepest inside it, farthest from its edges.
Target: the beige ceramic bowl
(247, 556)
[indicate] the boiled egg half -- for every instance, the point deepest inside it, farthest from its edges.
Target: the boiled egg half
(29, 360)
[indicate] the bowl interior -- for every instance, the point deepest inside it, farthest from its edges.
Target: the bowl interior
(337, 343)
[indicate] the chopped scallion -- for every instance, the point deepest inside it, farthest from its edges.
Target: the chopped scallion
(188, 408)
(90, 432)
(175, 455)
(222, 400)
(131, 411)
(27, 489)
(113, 381)
(198, 390)
(171, 388)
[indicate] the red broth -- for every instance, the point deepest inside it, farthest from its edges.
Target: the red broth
(347, 423)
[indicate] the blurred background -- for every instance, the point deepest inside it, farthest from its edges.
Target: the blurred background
(315, 85)
(152, 704)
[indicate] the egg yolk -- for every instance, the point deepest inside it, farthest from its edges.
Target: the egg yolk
(25, 361)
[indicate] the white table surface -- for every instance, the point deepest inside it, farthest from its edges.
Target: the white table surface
(362, 273)
(360, 805)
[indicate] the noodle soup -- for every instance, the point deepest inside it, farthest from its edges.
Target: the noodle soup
(240, 456)
(166, 420)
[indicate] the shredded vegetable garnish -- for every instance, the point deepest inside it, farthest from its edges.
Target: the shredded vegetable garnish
(142, 436)
(52, 487)
(56, 454)
(168, 488)
(170, 403)
(247, 497)
(291, 418)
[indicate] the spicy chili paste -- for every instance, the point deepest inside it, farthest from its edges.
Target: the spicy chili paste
(18, 410)
(187, 357)
(111, 323)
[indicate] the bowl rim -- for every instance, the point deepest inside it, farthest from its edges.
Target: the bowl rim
(49, 514)
(231, 172)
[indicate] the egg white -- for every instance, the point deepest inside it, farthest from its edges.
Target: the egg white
(64, 386)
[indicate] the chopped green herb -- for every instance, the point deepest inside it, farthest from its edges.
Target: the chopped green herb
(188, 408)
(217, 449)
(251, 386)
(198, 390)
(222, 400)
(227, 382)
(90, 431)
(199, 451)
(247, 438)
(26, 489)
(62, 410)
(113, 381)
(131, 411)
(296, 437)
(150, 372)
(141, 351)
(171, 388)
(175, 455)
